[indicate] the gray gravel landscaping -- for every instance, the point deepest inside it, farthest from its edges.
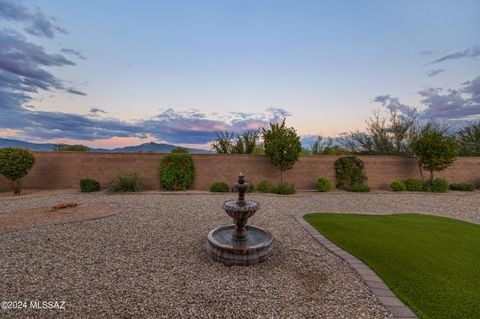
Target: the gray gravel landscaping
(149, 261)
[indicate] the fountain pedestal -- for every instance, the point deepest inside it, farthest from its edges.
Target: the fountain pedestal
(239, 244)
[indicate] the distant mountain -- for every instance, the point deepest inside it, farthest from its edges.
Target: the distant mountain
(145, 148)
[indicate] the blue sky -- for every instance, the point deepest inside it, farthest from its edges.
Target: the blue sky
(111, 73)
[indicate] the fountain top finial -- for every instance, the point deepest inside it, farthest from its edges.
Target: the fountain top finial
(241, 190)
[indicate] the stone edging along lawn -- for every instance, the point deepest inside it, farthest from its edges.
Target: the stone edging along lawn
(376, 285)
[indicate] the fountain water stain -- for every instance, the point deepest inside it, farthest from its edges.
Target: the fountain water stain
(239, 244)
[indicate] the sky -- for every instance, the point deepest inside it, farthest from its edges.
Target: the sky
(115, 73)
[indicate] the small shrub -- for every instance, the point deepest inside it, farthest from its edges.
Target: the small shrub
(127, 183)
(349, 171)
(219, 187)
(477, 184)
(465, 187)
(324, 184)
(15, 163)
(264, 187)
(359, 188)
(88, 185)
(414, 185)
(250, 187)
(176, 172)
(398, 186)
(284, 189)
(438, 185)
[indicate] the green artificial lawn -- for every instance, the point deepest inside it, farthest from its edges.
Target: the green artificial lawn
(431, 263)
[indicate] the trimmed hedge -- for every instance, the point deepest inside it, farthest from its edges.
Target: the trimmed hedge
(176, 172)
(219, 187)
(324, 184)
(88, 185)
(398, 186)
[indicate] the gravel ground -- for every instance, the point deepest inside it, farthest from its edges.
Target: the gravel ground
(149, 261)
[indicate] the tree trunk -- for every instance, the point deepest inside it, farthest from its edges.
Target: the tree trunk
(431, 176)
(16, 186)
(281, 177)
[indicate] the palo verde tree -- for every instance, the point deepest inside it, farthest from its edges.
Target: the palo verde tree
(468, 140)
(15, 163)
(244, 143)
(434, 149)
(282, 145)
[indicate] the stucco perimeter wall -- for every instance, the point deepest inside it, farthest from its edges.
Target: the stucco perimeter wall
(57, 170)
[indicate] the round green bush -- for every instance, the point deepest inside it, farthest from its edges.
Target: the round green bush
(264, 187)
(219, 187)
(88, 185)
(398, 186)
(413, 185)
(15, 163)
(349, 171)
(359, 188)
(176, 172)
(284, 189)
(465, 187)
(324, 184)
(438, 185)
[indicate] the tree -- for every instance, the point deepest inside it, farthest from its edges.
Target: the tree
(384, 136)
(323, 146)
(244, 143)
(434, 149)
(469, 140)
(179, 149)
(282, 145)
(15, 163)
(70, 148)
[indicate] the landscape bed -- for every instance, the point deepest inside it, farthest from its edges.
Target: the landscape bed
(429, 262)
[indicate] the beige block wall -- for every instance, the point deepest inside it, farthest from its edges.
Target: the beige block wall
(57, 170)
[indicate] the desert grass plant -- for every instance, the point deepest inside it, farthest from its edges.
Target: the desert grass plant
(264, 187)
(219, 187)
(324, 184)
(359, 188)
(464, 187)
(413, 184)
(88, 185)
(127, 183)
(438, 185)
(15, 163)
(284, 189)
(398, 186)
(176, 172)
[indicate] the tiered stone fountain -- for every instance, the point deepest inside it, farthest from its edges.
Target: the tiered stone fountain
(239, 244)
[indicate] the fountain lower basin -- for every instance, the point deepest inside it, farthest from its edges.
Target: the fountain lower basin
(222, 247)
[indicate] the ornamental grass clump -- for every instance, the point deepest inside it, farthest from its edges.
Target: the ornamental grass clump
(219, 187)
(127, 183)
(15, 163)
(413, 184)
(176, 172)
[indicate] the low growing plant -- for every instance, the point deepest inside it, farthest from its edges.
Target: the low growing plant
(398, 186)
(414, 185)
(264, 187)
(324, 184)
(284, 189)
(438, 185)
(15, 163)
(219, 187)
(359, 188)
(176, 172)
(88, 185)
(127, 183)
(465, 187)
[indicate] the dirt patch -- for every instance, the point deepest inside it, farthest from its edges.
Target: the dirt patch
(58, 214)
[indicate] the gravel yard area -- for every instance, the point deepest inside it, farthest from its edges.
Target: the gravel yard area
(150, 261)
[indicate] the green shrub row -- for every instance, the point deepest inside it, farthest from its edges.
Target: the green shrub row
(438, 185)
(465, 187)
